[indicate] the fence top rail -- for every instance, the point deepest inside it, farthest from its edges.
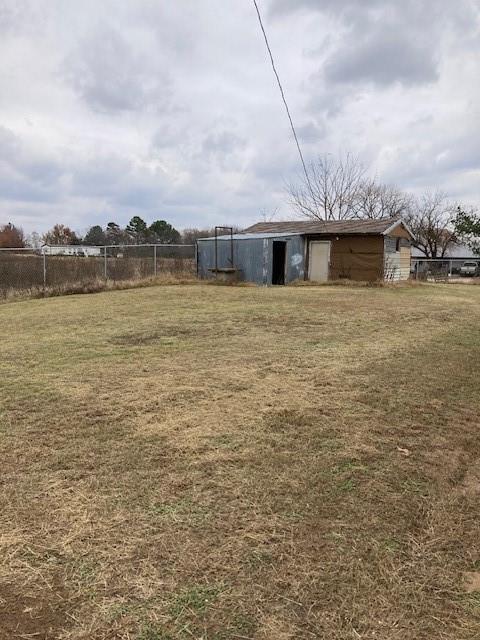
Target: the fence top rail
(20, 248)
(91, 246)
(120, 246)
(446, 259)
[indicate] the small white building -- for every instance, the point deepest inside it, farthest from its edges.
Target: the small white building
(80, 250)
(454, 251)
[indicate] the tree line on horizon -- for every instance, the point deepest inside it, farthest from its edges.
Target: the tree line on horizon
(137, 231)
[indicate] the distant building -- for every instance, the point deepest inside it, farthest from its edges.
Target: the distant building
(281, 252)
(455, 251)
(84, 251)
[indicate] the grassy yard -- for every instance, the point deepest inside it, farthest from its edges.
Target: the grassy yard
(222, 462)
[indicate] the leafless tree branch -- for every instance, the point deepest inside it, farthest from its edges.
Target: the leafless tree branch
(431, 220)
(331, 188)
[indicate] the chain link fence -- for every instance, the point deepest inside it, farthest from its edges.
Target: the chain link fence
(444, 269)
(70, 267)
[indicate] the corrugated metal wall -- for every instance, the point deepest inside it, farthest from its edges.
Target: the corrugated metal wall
(253, 258)
(247, 257)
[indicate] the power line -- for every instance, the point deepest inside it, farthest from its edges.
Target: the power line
(283, 96)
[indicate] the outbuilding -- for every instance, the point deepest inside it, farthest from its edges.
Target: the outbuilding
(281, 252)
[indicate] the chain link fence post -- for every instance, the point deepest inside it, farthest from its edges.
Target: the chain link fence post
(154, 260)
(105, 273)
(44, 270)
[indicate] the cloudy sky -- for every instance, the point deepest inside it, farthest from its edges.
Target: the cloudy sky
(111, 108)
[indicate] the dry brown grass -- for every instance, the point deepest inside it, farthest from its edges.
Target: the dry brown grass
(226, 462)
(21, 274)
(98, 285)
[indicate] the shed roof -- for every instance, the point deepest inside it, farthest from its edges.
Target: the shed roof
(244, 235)
(344, 227)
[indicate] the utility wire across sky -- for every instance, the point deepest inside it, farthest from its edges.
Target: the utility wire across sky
(272, 62)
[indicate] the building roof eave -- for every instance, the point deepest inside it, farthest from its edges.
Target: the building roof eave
(395, 224)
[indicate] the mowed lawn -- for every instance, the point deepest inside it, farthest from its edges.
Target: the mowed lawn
(233, 462)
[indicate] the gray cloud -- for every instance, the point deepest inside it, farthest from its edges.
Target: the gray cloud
(279, 7)
(384, 61)
(364, 10)
(100, 175)
(310, 132)
(385, 41)
(221, 143)
(26, 175)
(222, 147)
(9, 143)
(20, 16)
(110, 77)
(170, 109)
(452, 152)
(168, 136)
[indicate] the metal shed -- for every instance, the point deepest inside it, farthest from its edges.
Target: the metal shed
(281, 252)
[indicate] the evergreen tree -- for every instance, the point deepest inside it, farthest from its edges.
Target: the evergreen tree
(137, 230)
(95, 236)
(467, 229)
(162, 232)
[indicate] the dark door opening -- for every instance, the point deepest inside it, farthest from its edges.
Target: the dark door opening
(278, 262)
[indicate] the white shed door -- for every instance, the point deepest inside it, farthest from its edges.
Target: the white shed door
(319, 259)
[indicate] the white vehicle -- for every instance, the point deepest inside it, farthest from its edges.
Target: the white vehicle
(469, 269)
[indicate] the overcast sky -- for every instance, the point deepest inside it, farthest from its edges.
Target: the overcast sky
(111, 108)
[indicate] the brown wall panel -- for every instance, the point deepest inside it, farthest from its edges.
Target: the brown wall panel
(357, 258)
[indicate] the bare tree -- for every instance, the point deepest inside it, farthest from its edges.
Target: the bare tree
(34, 240)
(330, 188)
(431, 221)
(268, 216)
(374, 200)
(191, 235)
(59, 234)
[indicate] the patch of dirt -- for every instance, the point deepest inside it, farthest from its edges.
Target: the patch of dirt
(471, 482)
(471, 581)
(468, 478)
(288, 419)
(166, 333)
(40, 614)
(138, 338)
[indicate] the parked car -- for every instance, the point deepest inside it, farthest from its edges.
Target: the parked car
(469, 269)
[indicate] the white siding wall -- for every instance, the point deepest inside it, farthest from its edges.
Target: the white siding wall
(393, 270)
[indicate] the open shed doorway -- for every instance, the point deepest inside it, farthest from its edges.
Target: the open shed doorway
(278, 262)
